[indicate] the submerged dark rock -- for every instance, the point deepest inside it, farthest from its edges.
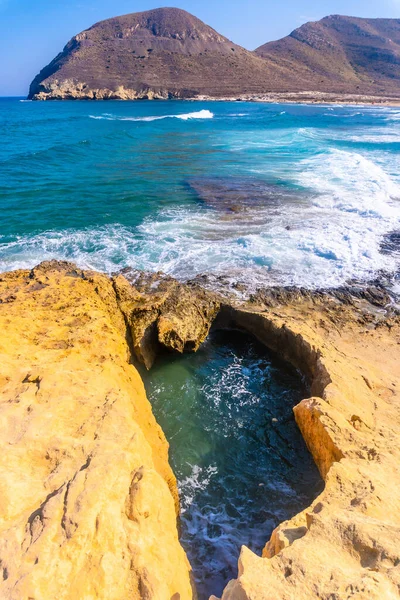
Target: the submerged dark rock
(391, 243)
(235, 194)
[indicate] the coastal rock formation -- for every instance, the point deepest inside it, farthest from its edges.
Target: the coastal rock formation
(345, 545)
(163, 314)
(169, 53)
(88, 500)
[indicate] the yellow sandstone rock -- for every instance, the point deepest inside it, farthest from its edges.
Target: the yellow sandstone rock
(87, 497)
(88, 501)
(346, 545)
(162, 313)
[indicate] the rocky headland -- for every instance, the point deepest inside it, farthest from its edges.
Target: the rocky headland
(169, 53)
(89, 505)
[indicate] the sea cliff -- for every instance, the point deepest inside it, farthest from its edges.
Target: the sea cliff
(88, 501)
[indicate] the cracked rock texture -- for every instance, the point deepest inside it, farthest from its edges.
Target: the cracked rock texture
(87, 497)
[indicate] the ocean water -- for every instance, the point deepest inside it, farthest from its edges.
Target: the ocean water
(253, 193)
(241, 463)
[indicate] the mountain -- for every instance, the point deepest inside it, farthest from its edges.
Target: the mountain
(158, 53)
(169, 53)
(344, 54)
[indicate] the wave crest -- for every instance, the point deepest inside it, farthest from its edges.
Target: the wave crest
(200, 114)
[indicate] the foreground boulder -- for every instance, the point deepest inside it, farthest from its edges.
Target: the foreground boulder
(87, 498)
(163, 314)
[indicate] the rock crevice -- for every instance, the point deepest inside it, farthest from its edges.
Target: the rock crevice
(88, 501)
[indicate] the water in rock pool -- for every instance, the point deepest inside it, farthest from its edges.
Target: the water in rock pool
(241, 463)
(244, 192)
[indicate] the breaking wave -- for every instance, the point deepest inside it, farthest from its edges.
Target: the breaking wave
(201, 114)
(329, 234)
(288, 201)
(350, 182)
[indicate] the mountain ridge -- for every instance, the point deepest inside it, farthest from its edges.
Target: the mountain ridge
(347, 50)
(157, 54)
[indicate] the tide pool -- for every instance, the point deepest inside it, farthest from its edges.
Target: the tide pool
(241, 463)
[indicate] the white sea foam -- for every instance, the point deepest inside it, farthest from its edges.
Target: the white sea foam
(369, 137)
(201, 114)
(199, 479)
(359, 134)
(350, 182)
(332, 233)
(101, 248)
(324, 241)
(393, 116)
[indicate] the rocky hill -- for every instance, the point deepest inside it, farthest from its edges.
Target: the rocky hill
(342, 53)
(168, 53)
(156, 54)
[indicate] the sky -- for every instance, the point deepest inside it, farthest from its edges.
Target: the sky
(32, 32)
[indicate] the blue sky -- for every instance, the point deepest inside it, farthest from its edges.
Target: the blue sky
(32, 32)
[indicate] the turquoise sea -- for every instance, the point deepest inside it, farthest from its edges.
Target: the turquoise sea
(246, 194)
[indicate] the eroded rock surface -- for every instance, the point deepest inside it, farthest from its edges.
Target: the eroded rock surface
(163, 313)
(346, 544)
(87, 497)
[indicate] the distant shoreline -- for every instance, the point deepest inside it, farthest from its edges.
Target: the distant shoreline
(306, 98)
